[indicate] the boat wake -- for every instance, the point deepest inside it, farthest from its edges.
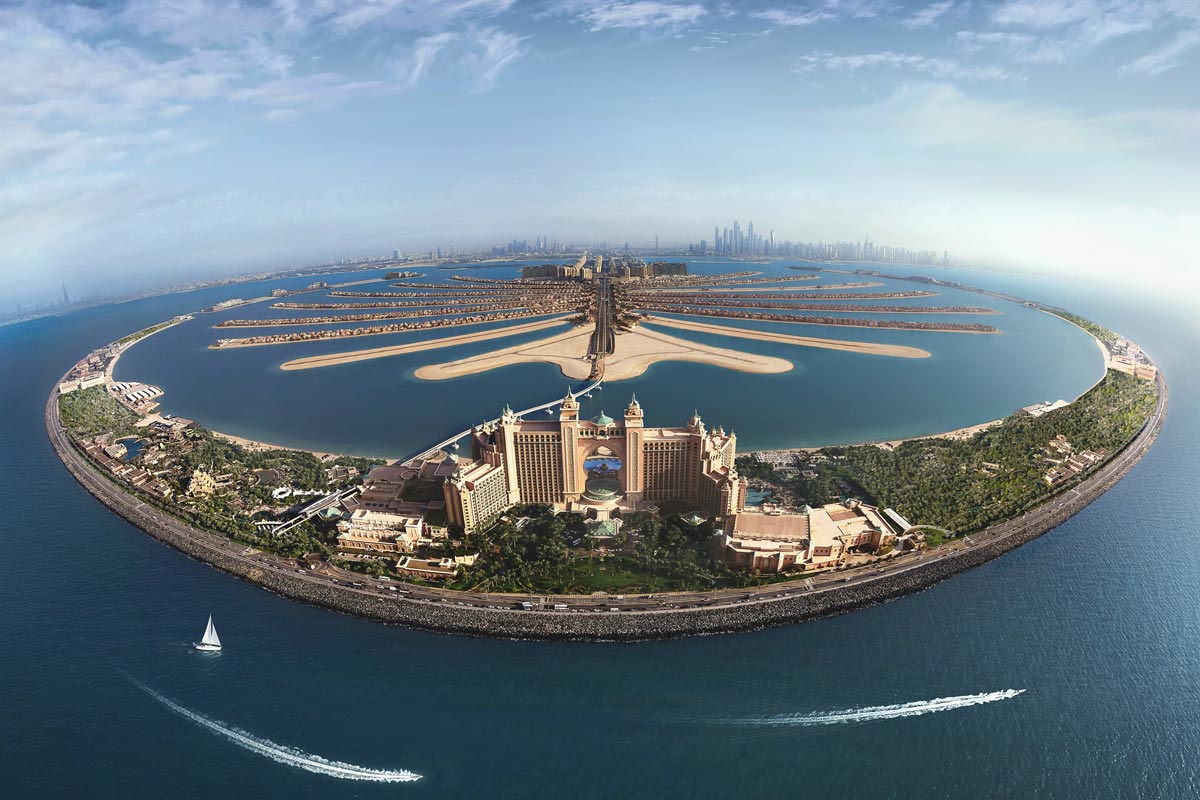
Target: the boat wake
(281, 753)
(871, 713)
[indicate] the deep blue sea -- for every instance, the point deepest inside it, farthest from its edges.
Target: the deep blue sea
(1097, 621)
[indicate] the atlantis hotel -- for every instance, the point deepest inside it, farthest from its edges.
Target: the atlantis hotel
(598, 467)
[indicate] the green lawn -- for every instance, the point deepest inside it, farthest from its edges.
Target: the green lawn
(615, 577)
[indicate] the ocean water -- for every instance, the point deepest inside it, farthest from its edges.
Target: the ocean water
(1096, 622)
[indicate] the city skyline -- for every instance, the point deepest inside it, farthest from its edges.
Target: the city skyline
(542, 248)
(151, 142)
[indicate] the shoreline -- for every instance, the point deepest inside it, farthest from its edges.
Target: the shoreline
(868, 348)
(648, 617)
(351, 356)
(722, 611)
(233, 344)
(956, 434)
(650, 312)
(259, 446)
(568, 352)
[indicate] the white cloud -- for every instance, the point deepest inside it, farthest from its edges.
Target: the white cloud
(351, 15)
(51, 76)
(496, 50)
(938, 67)
(35, 214)
(483, 53)
(196, 23)
(1022, 47)
(1044, 13)
(1070, 28)
(826, 11)
(930, 14)
(1167, 57)
(943, 116)
(641, 14)
(284, 97)
(794, 19)
(424, 53)
(24, 144)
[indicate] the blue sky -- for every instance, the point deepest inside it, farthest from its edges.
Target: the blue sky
(146, 141)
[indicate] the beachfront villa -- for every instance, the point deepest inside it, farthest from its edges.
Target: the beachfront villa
(600, 467)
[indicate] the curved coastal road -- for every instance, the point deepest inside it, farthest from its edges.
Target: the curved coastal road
(608, 617)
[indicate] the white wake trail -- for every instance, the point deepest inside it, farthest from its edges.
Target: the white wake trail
(283, 754)
(870, 713)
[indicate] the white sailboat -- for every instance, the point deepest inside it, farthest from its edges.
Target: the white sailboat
(210, 641)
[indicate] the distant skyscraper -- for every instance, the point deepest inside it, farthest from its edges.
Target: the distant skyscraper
(396, 255)
(66, 298)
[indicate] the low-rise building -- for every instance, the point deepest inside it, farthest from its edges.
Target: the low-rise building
(381, 531)
(807, 539)
(428, 568)
(201, 484)
(340, 474)
(1041, 409)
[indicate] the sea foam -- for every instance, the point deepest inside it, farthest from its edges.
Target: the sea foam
(283, 754)
(871, 713)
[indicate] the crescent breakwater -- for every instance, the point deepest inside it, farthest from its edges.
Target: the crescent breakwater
(720, 612)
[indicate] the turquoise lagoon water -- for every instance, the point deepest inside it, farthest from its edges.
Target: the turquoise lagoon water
(380, 408)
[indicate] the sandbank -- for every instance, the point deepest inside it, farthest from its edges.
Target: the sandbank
(331, 359)
(869, 348)
(635, 351)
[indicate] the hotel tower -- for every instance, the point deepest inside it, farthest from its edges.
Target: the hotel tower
(593, 466)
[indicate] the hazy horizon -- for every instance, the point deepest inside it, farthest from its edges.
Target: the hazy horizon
(149, 142)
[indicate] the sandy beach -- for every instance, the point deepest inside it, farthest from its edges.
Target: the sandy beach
(891, 444)
(251, 444)
(869, 348)
(636, 351)
(956, 434)
(311, 362)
